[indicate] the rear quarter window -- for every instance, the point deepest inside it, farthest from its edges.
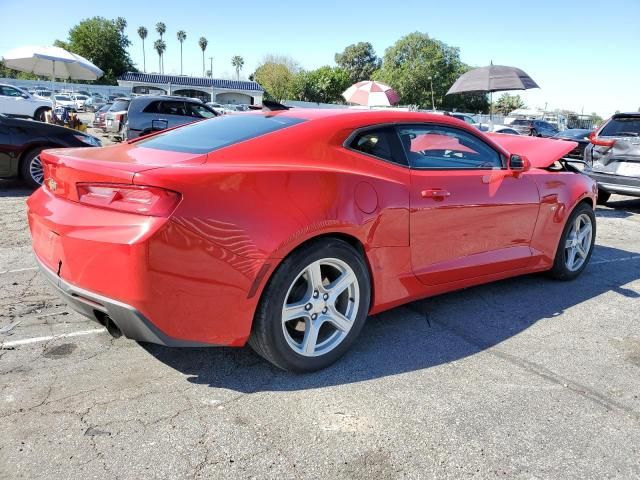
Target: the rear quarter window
(120, 105)
(219, 132)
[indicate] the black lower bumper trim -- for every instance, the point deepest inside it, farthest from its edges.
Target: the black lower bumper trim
(133, 324)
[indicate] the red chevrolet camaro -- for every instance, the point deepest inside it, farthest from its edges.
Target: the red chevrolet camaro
(285, 229)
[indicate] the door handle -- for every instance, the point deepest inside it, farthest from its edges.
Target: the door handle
(435, 193)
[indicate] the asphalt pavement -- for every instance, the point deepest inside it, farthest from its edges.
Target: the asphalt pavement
(525, 378)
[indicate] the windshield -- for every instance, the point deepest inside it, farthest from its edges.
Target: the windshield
(215, 133)
(622, 127)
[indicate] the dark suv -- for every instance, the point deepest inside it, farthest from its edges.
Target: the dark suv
(535, 128)
(153, 113)
(613, 156)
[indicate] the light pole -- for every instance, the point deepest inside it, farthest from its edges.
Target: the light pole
(211, 66)
(433, 103)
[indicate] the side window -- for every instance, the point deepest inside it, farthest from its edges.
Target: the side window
(10, 92)
(153, 107)
(172, 108)
(440, 147)
(375, 142)
(199, 111)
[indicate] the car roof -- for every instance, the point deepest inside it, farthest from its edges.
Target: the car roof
(165, 97)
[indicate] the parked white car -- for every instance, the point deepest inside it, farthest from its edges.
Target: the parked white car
(63, 100)
(18, 103)
(80, 100)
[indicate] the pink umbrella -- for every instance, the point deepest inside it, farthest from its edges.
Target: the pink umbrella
(371, 94)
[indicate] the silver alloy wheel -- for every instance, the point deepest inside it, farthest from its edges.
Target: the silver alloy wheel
(320, 307)
(35, 170)
(578, 242)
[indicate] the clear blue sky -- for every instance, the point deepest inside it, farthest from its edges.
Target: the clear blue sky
(584, 54)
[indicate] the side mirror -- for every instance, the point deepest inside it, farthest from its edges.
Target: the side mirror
(24, 95)
(518, 163)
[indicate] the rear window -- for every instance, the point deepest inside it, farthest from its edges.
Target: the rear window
(120, 105)
(621, 127)
(210, 135)
(521, 122)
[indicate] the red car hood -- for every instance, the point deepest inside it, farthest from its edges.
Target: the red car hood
(541, 152)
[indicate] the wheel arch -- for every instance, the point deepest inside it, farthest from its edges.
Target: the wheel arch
(351, 240)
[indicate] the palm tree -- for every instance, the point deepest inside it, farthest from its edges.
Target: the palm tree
(237, 62)
(160, 47)
(121, 24)
(182, 36)
(161, 28)
(142, 32)
(203, 46)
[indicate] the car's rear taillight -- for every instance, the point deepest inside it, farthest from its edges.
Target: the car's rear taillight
(142, 200)
(119, 116)
(602, 142)
(595, 140)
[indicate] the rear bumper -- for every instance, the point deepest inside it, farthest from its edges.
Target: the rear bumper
(129, 321)
(616, 183)
(155, 279)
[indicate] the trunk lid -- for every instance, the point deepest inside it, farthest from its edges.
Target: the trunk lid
(64, 168)
(541, 152)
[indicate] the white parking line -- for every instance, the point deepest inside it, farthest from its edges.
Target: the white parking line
(15, 270)
(611, 260)
(28, 341)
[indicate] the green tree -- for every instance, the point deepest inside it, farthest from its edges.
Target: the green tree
(276, 79)
(160, 47)
(142, 33)
(102, 42)
(508, 103)
(359, 60)
(324, 85)
(203, 42)
(182, 36)
(237, 62)
(416, 62)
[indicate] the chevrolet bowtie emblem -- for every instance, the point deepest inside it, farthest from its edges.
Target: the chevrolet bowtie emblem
(51, 183)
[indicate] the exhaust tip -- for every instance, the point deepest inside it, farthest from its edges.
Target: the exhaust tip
(106, 321)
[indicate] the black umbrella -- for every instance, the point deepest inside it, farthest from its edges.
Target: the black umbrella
(494, 78)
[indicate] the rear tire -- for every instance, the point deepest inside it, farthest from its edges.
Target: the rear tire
(31, 167)
(313, 307)
(576, 244)
(603, 197)
(39, 114)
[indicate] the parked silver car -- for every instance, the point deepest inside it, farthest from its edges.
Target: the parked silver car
(613, 156)
(116, 116)
(153, 113)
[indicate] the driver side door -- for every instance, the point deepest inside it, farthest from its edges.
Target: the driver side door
(469, 214)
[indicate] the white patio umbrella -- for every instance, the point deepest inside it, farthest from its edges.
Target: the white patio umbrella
(54, 62)
(371, 94)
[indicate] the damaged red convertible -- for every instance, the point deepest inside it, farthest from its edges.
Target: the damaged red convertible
(286, 229)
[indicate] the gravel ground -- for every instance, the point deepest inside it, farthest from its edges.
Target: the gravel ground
(525, 378)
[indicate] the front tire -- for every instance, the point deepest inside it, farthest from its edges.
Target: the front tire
(313, 307)
(31, 168)
(576, 244)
